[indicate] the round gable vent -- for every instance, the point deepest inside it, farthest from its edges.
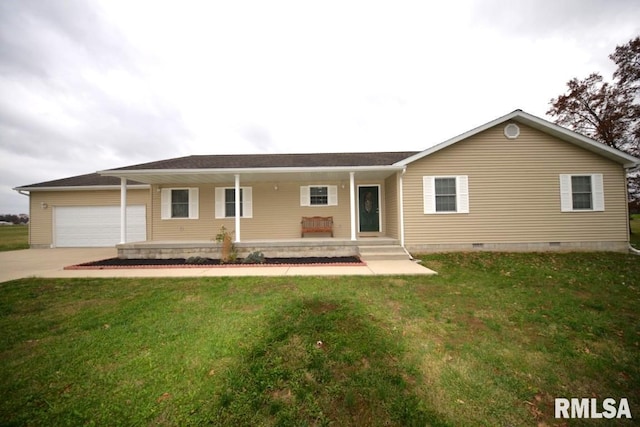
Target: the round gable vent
(512, 131)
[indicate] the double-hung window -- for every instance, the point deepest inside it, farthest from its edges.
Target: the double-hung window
(230, 202)
(445, 194)
(581, 193)
(226, 202)
(179, 203)
(318, 195)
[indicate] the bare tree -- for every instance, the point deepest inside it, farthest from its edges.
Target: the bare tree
(608, 112)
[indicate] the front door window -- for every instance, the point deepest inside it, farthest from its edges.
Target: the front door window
(369, 208)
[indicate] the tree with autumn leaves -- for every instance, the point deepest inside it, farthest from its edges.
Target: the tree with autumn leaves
(607, 111)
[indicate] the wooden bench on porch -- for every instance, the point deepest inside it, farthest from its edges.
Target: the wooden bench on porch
(316, 224)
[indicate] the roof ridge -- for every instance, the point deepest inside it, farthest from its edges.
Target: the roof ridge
(340, 153)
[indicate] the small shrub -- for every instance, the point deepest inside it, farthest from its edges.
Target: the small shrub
(229, 252)
(254, 258)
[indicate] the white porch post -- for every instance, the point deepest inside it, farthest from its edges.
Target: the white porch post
(237, 208)
(401, 201)
(352, 201)
(123, 210)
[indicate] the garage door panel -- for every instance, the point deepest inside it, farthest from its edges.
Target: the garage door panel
(97, 226)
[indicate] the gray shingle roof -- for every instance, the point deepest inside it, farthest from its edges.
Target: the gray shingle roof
(238, 161)
(88, 180)
(235, 161)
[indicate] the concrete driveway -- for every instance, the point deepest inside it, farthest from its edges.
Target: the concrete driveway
(51, 263)
(47, 262)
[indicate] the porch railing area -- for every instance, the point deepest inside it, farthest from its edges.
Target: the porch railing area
(285, 248)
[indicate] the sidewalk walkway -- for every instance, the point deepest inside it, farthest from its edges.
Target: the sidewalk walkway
(51, 263)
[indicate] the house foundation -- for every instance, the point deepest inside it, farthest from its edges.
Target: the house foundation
(606, 246)
(307, 247)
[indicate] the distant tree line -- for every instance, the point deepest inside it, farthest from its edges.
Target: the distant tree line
(15, 219)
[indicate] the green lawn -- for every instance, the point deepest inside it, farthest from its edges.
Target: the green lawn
(13, 237)
(635, 231)
(491, 340)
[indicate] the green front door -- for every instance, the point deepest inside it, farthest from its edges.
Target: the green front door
(369, 208)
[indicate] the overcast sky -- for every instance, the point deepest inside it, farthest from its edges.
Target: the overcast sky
(92, 85)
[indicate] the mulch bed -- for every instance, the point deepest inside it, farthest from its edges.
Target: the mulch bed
(116, 263)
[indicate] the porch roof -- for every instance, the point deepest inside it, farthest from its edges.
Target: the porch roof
(266, 167)
(91, 181)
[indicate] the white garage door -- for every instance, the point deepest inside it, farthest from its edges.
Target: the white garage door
(97, 226)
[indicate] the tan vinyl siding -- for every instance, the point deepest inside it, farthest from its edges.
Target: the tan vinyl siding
(391, 202)
(276, 213)
(41, 227)
(514, 192)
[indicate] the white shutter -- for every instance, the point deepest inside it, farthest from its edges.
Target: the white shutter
(428, 194)
(220, 208)
(165, 203)
(193, 203)
(462, 193)
(304, 196)
(597, 188)
(566, 200)
(247, 202)
(332, 190)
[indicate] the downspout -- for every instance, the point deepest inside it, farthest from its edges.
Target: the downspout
(627, 171)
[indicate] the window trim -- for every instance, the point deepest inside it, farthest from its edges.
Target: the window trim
(429, 194)
(166, 210)
(232, 203)
(566, 192)
(454, 195)
(305, 195)
(324, 196)
(221, 202)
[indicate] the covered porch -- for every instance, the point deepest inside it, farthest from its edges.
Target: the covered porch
(262, 208)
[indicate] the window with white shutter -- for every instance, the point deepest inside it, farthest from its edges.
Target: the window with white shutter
(179, 203)
(225, 203)
(445, 194)
(581, 192)
(319, 195)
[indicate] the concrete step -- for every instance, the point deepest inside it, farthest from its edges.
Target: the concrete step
(388, 252)
(380, 248)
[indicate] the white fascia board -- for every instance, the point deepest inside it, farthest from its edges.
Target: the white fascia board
(230, 171)
(576, 138)
(537, 123)
(83, 188)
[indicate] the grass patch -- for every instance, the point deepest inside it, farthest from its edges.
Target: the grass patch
(635, 231)
(489, 341)
(14, 237)
(322, 362)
